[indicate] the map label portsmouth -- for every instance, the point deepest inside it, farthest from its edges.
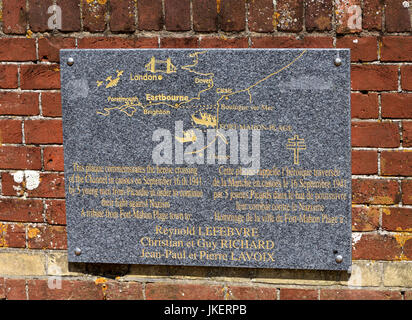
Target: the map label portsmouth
(216, 157)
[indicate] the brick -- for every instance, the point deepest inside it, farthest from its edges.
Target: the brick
(51, 104)
(397, 17)
(251, 293)
(364, 274)
(2, 289)
(364, 105)
(232, 15)
(289, 15)
(115, 42)
(214, 42)
(375, 134)
(70, 15)
(364, 162)
(16, 103)
(396, 163)
(56, 212)
(407, 133)
(397, 219)
(150, 14)
(12, 235)
(362, 49)
(407, 247)
(19, 210)
(15, 289)
(375, 191)
(38, 15)
(374, 77)
(177, 15)
(8, 76)
(22, 263)
(123, 290)
(122, 17)
(408, 295)
(260, 16)
(49, 48)
(205, 17)
(372, 15)
(396, 105)
(406, 77)
(70, 290)
(398, 274)
(94, 15)
(14, 16)
(376, 247)
(177, 291)
(406, 186)
(20, 158)
(365, 218)
(359, 294)
(179, 42)
(43, 131)
(40, 77)
(47, 237)
(48, 185)
(298, 294)
(396, 48)
(17, 49)
(348, 15)
(318, 15)
(10, 131)
(292, 42)
(53, 159)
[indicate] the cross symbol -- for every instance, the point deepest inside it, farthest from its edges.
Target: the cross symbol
(296, 144)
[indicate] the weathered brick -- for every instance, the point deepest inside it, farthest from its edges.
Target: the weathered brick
(15, 289)
(16, 103)
(397, 17)
(19, 210)
(374, 77)
(116, 42)
(318, 15)
(232, 15)
(292, 42)
(56, 212)
(43, 131)
(396, 163)
(20, 158)
(289, 15)
(53, 159)
(375, 191)
(359, 294)
(177, 291)
(94, 15)
(205, 17)
(22, 263)
(40, 76)
(179, 42)
(396, 48)
(122, 15)
(397, 219)
(348, 15)
(364, 162)
(14, 16)
(49, 48)
(298, 294)
(396, 105)
(17, 49)
(2, 289)
(375, 134)
(261, 15)
(12, 235)
(407, 133)
(177, 15)
(8, 76)
(406, 77)
(398, 274)
(10, 131)
(406, 191)
(236, 292)
(372, 15)
(364, 106)
(214, 42)
(38, 15)
(123, 290)
(70, 15)
(365, 218)
(47, 237)
(150, 14)
(362, 48)
(51, 104)
(372, 246)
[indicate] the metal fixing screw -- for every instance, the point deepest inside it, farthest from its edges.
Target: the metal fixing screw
(338, 258)
(405, 4)
(338, 61)
(70, 61)
(77, 251)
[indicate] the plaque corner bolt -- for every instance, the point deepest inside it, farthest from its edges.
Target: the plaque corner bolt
(339, 258)
(70, 61)
(338, 61)
(77, 251)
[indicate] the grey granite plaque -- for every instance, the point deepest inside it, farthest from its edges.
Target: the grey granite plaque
(220, 157)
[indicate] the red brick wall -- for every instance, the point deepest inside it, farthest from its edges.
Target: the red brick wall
(32, 209)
